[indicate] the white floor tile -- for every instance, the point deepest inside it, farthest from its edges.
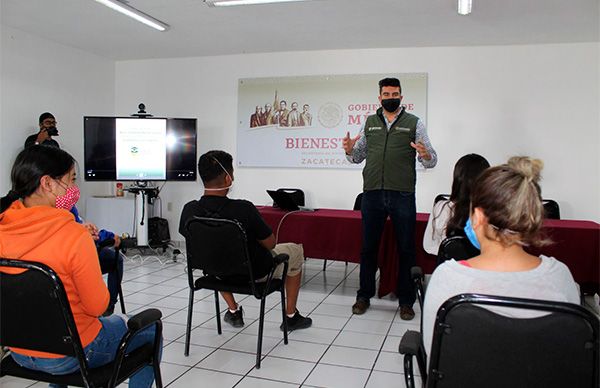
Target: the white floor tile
(331, 376)
(334, 309)
(314, 334)
(173, 353)
(280, 369)
(206, 378)
(247, 343)
(15, 382)
(208, 337)
(298, 350)
(170, 372)
(328, 321)
(391, 344)
(351, 357)
(385, 379)
(229, 361)
(253, 382)
(360, 340)
(357, 324)
(390, 362)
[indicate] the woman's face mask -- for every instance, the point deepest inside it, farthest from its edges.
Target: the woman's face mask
(470, 232)
(69, 198)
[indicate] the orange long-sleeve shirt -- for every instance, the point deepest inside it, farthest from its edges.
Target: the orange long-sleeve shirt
(51, 236)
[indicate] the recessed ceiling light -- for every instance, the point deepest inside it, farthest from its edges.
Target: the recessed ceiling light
(464, 7)
(228, 3)
(136, 14)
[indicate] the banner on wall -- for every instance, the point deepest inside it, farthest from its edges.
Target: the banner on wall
(301, 121)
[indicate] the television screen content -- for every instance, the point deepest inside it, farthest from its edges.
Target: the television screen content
(139, 149)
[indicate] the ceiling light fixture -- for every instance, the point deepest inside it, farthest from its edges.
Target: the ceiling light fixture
(464, 7)
(133, 13)
(228, 3)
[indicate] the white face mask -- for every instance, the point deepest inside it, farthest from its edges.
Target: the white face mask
(222, 188)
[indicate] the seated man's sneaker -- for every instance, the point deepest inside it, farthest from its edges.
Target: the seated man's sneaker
(360, 306)
(235, 319)
(297, 322)
(407, 313)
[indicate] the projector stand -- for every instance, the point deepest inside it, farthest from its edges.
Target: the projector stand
(141, 192)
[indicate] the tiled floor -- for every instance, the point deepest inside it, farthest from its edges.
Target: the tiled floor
(340, 350)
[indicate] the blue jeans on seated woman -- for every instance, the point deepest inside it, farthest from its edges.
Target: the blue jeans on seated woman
(101, 351)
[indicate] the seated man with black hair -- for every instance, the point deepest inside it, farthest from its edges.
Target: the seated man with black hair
(216, 171)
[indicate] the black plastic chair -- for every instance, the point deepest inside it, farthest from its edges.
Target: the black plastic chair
(441, 197)
(219, 248)
(457, 248)
(35, 314)
(551, 209)
(114, 268)
(475, 347)
(296, 194)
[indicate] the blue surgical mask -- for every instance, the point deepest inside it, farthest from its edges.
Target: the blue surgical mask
(470, 232)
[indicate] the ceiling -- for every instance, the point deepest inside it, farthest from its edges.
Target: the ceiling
(199, 30)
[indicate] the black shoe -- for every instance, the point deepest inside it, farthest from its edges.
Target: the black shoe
(360, 306)
(297, 322)
(235, 319)
(109, 310)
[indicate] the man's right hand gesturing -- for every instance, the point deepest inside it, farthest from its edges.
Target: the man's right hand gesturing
(348, 142)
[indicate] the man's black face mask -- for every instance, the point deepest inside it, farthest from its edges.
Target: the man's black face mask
(390, 104)
(52, 131)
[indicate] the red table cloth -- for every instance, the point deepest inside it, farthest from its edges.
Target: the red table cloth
(336, 235)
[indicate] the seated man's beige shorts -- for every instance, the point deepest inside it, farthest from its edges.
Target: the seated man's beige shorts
(296, 254)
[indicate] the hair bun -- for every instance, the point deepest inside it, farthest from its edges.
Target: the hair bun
(528, 167)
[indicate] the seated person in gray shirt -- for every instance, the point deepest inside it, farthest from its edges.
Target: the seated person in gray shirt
(506, 214)
(216, 171)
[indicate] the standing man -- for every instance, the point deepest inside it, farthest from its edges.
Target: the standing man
(389, 141)
(48, 129)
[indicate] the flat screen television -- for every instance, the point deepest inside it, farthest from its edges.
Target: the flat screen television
(139, 149)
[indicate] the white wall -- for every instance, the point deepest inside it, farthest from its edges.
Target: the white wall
(37, 75)
(499, 101)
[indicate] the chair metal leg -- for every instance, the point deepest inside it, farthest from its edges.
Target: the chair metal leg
(261, 321)
(284, 316)
(409, 377)
(188, 329)
(324, 264)
(121, 299)
(157, 375)
(218, 312)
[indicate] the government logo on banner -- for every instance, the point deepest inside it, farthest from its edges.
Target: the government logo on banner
(301, 121)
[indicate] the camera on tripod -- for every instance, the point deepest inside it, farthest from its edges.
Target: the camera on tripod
(52, 131)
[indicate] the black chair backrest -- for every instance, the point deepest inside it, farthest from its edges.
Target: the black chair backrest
(551, 209)
(218, 247)
(296, 194)
(441, 197)
(34, 310)
(457, 248)
(358, 202)
(475, 347)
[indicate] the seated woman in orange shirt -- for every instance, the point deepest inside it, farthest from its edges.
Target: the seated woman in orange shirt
(36, 225)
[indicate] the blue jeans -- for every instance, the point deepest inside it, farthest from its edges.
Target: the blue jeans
(107, 263)
(376, 206)
(101, 351)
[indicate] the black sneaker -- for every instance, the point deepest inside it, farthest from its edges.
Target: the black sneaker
(297, 322)
(235, 319)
